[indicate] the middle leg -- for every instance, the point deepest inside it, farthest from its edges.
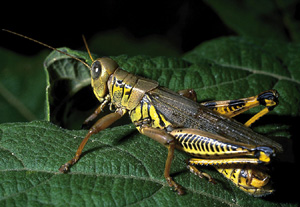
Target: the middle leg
(167, 140)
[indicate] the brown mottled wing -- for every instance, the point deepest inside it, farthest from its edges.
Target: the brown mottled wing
(183, 112)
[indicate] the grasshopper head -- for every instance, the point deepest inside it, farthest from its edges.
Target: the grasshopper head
(101, 69)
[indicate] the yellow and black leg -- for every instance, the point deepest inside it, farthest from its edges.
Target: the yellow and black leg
(241, 171)
(218, 163)
(231, 108)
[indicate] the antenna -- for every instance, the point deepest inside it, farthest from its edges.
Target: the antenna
(87, 48)
(52, 48)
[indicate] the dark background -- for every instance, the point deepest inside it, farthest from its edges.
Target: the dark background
(184, 23)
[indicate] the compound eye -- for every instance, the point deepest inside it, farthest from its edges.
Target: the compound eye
(96, 69)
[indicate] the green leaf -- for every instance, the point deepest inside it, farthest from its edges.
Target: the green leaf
(119, 167)
(267, 19)
(243, 66)
(66, 77)
(22, 81)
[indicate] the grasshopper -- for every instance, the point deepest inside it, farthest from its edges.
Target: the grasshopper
(206, 131)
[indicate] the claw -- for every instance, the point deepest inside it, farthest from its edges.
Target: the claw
(200, 174)
(176, 187)
(64, 168)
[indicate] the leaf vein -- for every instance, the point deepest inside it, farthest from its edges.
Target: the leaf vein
(277, 76)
